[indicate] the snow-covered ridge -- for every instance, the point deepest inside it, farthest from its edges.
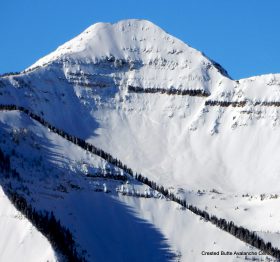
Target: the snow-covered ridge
(140, 42)
(139, 53)
(83, 88)
(90, 75)
(128, 39)
(161, 108)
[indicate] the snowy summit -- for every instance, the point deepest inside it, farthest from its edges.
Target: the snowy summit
(126, 136)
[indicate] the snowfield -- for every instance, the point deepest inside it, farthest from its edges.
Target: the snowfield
(20, 240)
(166, 111)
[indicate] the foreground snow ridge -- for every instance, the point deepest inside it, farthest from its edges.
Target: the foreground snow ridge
(20, 240)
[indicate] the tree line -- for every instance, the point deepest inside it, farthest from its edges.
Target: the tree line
(108, 176)
(5, 167)
(59, 236)
(267, 103)
(225, 103)
(9, 74)
(240, 103)
(171, 91)
(239, 232)
(77, 141)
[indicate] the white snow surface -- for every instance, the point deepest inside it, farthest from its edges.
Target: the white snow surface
(164, 61)
(105, 224)
(175, 140)
(82, 87)
(20, 240)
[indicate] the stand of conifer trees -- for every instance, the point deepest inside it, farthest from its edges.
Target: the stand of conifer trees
(10, 74)
(59, 236)
(225, 103)
(109, 176)
(267, 103)
(171, 91)
(240, 103)
(239, 232)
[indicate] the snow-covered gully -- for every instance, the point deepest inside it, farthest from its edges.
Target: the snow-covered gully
(239, 232)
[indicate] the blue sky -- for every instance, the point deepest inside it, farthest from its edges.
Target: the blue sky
(242, 35)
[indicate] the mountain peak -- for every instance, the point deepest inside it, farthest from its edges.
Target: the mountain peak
(134, 40)
(120, 39)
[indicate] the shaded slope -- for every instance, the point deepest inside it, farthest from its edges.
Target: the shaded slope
(52, 180)
(228, 226)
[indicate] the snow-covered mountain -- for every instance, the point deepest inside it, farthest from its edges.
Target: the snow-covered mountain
(163, 109)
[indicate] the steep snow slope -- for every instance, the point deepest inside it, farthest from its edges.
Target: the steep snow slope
(20, 240)
(140, 52)
(59, 177)
(193, 142)
(54, 178)
(191, 235)
(159, 106)
(241, 209)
